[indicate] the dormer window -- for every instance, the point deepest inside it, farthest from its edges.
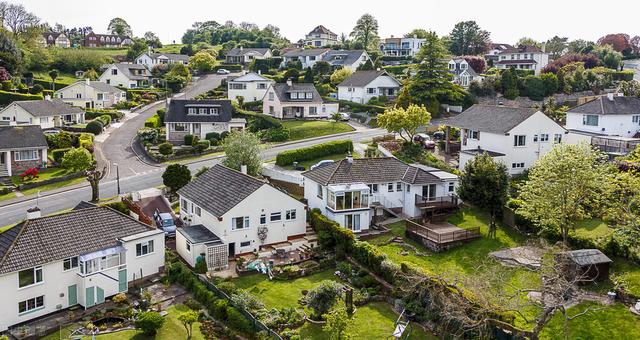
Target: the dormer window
(452, 66)
(309, 95)
(464, 66)
(202, 111)
(213, 111)
(294, 95)
(192, 111)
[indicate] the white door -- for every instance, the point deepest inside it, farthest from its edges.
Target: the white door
(352, 221)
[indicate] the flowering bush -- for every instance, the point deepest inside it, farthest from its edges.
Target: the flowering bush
(29, 174)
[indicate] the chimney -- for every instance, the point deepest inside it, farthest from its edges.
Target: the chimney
(241, 48)
(544, 47)
(289, 82)
(88, 81)
(610, 96)
(243, 169)
(260, 72)
(349, 158)
(33, 213)
(47, 97)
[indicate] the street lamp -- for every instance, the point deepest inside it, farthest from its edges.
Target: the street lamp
(117, 176)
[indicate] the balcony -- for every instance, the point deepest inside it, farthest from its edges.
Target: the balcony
(348, 197)
(439, 236)
(444, 202)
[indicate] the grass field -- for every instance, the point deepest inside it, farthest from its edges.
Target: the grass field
(593, 229)
(62, 78)
(303, 129)
(170, 48)
(605, 322)
(43, 174)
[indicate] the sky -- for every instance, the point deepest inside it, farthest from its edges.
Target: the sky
(507, 20)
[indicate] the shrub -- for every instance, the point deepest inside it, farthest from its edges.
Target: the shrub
(228, 287)
(105, 119)
(36, 89)
(94, 127)
(149, 322)
(152, 122)
(237, 321)
(119, 298)
(188, 139)
(161, 114)
(277, 134)
(7, 97)
(304, 154)
(165, 148)
(29, 174)
(58, 154)
(77, 159)
(148, 135)
(201, 266)
(212, 135)
(224, 135)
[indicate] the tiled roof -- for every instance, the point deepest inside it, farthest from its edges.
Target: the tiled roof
(363, 78)
(242, 51)
(178, 111)
(343, 57)
(587, 257)
(125, 68)
(170, 56)
(321, 30)
(304, 52)
(45, 108)
(23, 136)
(42, 240)
(491, 118)
(522, 49)
(605, 106)
(282, 90)
(220, 189)
(249, 77)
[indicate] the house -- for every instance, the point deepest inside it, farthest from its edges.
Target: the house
(244, 55)
(251, 86)
(91, 94)
(289, 101)
(80, 257)
(106, 40)
(361, 86)
(349, 59)
(585, 265)
(229, 213)
(401, 47)
(463, 73)
(307, 57)
(55, 39)
(523, 57)
(491, 56)
(150, 59)
(199, 117)
(48, 113)
(515, 136)
(126, 75)
(351, 191)
(21, 148)
(611, 123)
(320, 37)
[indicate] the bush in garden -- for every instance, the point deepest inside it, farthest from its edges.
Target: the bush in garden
(237, 321)
(29, 174)
(246, 301)
(119, 298)
(224, 135)
(77, 159)
(106, 119)
(149, 322)
(228, 287)
(303, 154)
(188, 139)
(152, 122)
(58, 154)
(165, 148)
(277, 134)
(36, 89)
(322, 298)
(94, 127)
(62, 140)
(148, 135)
(212, 135)
(201, 266)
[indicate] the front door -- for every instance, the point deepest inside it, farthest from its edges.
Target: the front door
(89, 297)
(232, 249)
(72, 294)
(99, 295)
(122, 280)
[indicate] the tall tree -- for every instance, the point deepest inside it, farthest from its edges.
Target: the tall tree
(526, 41)
(242, 148)
(120, 27)
(581, 46)
(467, 38)
(176, 176)
(18, 19)
(152, 39)
(138, 47)
(404, 121)
(566, 185)
(556, 46)
(619, 42)
(366, 32)
(417, 33)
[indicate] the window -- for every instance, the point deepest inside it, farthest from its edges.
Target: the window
(473, 134)
(180, 126)
(144, 248)
(309, 95)
(635, 119)
(373, 188)
(276, 216)
(290, 214)
(389, 187)
(44, 120)
(544, 137)
(270, 95)
(320, 192)
(517, 165)
(198, 211)
(452, 186)
(26, 155)
(213, 111)
(557, 138)
(70, 263)
(78, 95)
(262, 86)
(313, 110)
(350, 89)
(184, 205)
(294, 95)
(519, 140)
(399, 186)
(238, 223)
(263, 219)
(236, 86)
(188, 245)
(114, 72)
(590, 120)
(371, 90)
(202, 111)
(29, 277)
(31, 304)
(192, 111)
(100, 96)
(245, 244)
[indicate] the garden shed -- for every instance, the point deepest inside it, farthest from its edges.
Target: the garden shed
(587, 265)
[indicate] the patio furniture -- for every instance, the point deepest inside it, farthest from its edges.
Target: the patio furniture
(281, 253)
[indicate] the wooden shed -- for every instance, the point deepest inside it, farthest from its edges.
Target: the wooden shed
(587, 265)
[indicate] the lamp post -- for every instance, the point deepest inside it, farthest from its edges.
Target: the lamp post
(117, 176)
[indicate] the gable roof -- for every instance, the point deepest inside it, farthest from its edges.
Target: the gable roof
(97, 85)
(244, 50)
(320, 29)
(305, 52)
(178, 111)
(23, 136)
(170, 56)
(46, 108)
(347, 57)
(53, 238)
(220, 189)
(249, 77)
(521, 49)
(492, 118)
(371, 170)
(458, 70)
(125, 69)
(281, 90)
(605, 106)
(587, 257)
(498, 46)
(363, 78)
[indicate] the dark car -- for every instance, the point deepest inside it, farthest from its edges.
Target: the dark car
(165, 222)
(424, 140)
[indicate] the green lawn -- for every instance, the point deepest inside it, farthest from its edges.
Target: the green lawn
(593, 229)
(7, 196)
(62, 78)
(43, 174)
(171, 48)
(334, 157)
(609, 322)
(303, 129)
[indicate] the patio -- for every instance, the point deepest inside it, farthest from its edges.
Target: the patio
(439, 236)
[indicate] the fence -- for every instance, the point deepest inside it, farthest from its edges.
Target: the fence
(256, 323)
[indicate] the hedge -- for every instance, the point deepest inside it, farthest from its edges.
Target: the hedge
(373, 109)
(152, 122)
(7, 97)
(230, 67)
(396, 69)
(58, 154)
(159, 93)
(93, 114)
(47, 84)
(304, 154)
(94, 127)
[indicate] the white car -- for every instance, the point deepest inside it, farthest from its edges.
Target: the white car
(223, 71)
(321, 164)
(344, 116)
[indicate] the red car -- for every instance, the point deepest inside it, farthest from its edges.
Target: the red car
(424, 140)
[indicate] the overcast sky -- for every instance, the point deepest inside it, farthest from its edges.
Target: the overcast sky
(506, 20)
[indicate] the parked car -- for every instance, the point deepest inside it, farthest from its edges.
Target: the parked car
(165, 222)
(424, 140)
(439, 135)
(321, 164)
(344, 116)
(223, 71)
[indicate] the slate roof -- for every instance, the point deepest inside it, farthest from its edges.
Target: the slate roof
(587, 257)
(480, 151)
(125, 69)
(491, 118)
(606, 106)
(53, 238)
(321, 30)
(249, 77)
(97, 85)
(363, 78)
(170, 56)
(370, 170)
(46, 108)
(458, 70)
(220, 189)
(199, 234)
(23, 136)
(521, 49)
(282, 90)
(498, 46)
(178, 111)
(305, 52)
(238, 52)
(347, 57)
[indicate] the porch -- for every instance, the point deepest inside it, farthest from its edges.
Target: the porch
(439, 236)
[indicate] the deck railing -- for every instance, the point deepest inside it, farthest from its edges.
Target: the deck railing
(437, 202)
(442, 238)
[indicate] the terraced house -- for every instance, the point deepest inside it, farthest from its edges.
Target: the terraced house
(79, 257)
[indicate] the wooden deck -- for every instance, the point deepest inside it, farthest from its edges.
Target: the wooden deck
(436, 203)
(439, 236)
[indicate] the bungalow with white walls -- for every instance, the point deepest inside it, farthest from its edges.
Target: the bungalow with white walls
(91, 94)
(463, 73)
(126, 75)
(351, 191)
(228, 213)
(76, 258)
(199, 117)
(251, 86)
(48, 113)
(150, 59)
(296, 100)
(245, 55)
(515, 136)
(361, 86)
(349, 59)
(21, 148)
(407, 46)
(307, 57)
